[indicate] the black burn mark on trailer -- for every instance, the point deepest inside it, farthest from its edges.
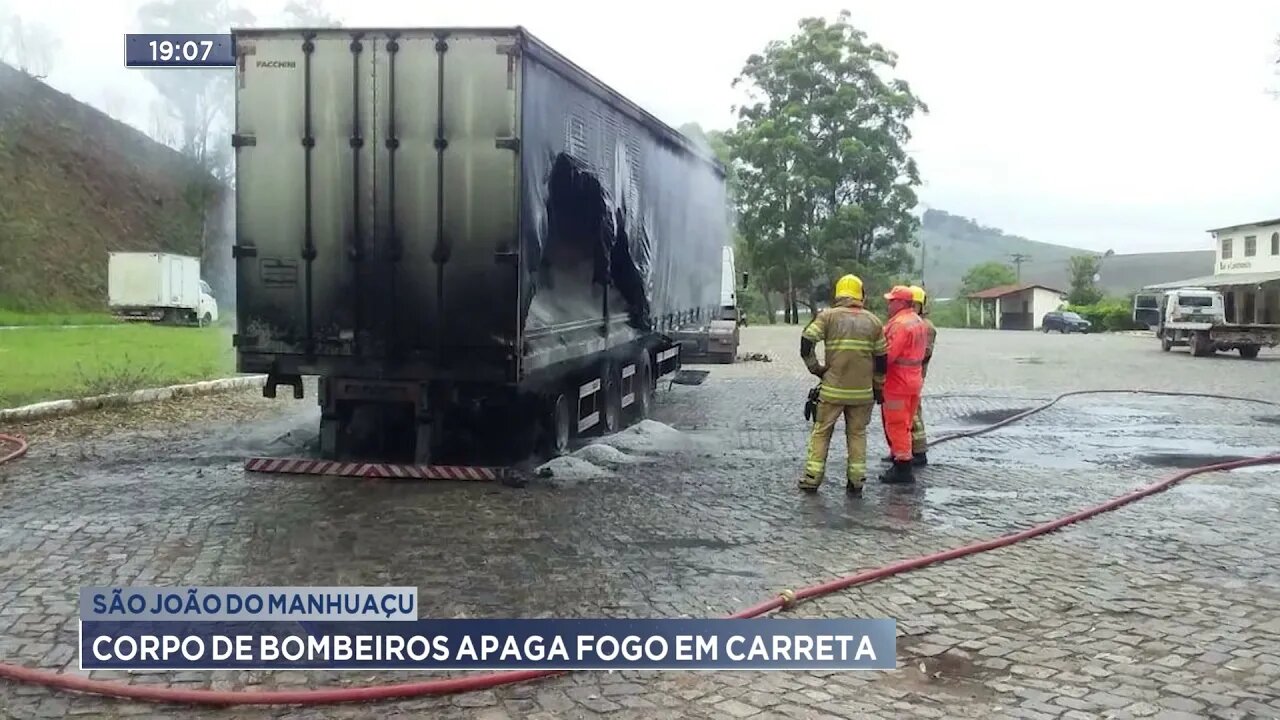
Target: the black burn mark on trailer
(583, 232)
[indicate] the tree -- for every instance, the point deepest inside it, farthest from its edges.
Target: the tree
(30, 47)
(200, 103)
(985, 276)
(1084, 289)
(201, 100)
(825, 185)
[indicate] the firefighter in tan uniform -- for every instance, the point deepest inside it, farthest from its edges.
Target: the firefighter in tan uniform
(852, 378)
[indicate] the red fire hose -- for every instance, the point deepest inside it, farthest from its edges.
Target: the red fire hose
(18, 447)
(448, 686)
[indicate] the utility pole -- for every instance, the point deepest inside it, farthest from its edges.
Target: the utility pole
(922, 259)
(1018, 259)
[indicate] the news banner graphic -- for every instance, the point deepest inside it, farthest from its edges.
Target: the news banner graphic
(373, 628)
(176, 50)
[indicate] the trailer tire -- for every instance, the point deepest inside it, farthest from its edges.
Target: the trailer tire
(1249, 352)
(559, 425)
(330, 430)
(644, 386)
(611, 394)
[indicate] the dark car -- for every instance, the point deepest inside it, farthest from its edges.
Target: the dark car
(1065, 322)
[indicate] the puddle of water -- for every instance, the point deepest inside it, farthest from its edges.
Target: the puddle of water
(990, 417)
(1258, 469)
(1117, 412)
(1186, 461)
(945, 496)
(686, 544)
(991, 458)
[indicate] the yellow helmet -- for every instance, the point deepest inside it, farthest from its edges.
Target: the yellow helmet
(917, 294)
(849, 286)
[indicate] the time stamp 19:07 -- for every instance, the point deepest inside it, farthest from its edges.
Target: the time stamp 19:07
(179, 51)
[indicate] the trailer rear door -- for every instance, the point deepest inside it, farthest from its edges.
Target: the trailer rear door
(376, 195)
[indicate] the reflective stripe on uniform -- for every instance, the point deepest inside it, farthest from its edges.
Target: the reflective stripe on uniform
(846, 344)
(908, 362)
(837, 395)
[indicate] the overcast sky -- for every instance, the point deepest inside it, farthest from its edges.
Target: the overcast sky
(1124, 125)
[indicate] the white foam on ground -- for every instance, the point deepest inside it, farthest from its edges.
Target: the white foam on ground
(601, 454)
(568, 467)
(648, 436)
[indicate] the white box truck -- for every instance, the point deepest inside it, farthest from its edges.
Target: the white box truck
(159, 287)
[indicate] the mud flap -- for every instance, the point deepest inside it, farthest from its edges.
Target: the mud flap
(690, 377)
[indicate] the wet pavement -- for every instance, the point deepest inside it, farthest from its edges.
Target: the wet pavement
(1166, 608)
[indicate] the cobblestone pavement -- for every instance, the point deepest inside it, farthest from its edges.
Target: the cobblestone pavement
(1168, 608)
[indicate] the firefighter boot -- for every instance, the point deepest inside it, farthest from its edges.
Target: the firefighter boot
(918, 459)
(899, 474)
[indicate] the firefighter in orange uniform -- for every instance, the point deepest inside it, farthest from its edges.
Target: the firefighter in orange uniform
(907, 339)
(919, 437)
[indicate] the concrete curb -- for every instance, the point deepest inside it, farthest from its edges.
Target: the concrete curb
(58, 408)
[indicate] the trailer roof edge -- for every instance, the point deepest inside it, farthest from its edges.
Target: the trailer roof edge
(548, 55)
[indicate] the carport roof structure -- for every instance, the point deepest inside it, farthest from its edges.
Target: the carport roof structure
(1003, 290)
(1222, 280)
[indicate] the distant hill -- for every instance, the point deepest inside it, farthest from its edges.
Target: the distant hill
(74, 185)
(952, 244)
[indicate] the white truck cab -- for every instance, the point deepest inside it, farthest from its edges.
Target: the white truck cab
(207, 308)
(1196, 317)
(717, 340)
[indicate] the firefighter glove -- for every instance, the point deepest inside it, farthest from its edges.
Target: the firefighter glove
(811, 405)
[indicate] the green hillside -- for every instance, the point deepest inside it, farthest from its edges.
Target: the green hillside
(951, 244)
(74, 185)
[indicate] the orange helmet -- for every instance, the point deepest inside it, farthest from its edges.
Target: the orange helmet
(899, 292)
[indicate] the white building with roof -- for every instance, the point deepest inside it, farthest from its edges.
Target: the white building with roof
(1246, 271)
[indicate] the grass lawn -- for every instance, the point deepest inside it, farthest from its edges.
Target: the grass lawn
(51, 363)
(16, 317)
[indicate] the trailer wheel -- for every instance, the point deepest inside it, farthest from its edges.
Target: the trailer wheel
(559, 425)
(611, 418)
(330, 429)
(644, 386)
(1249, 352)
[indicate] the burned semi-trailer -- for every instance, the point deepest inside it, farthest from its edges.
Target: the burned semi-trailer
(466, 237)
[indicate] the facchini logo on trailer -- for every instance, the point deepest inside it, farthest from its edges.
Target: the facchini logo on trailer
(377, 628)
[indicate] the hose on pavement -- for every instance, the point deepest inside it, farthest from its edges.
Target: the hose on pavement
(18, 447)
(447, 686)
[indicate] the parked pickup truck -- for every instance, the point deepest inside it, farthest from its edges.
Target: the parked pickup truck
(1195, 317)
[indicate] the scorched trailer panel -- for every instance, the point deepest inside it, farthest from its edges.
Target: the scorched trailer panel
(457, 229)
(456, 204)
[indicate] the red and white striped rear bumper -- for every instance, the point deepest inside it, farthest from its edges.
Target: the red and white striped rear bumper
(333, 468)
